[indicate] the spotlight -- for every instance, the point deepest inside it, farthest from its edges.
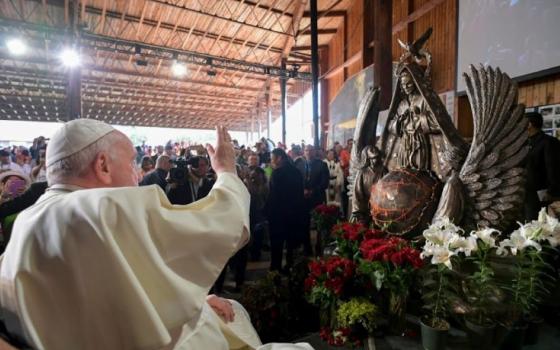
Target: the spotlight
(178, 69)
(16, 46)
(70, 57)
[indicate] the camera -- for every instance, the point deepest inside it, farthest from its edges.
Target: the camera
(178, 174)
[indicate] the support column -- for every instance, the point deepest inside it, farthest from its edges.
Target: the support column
(74, 93)
(315, 70)
(74, 87)
(382, 55)
(283, 97)
(325, 119)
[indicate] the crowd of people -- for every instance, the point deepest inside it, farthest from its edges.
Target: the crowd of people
(285, 185)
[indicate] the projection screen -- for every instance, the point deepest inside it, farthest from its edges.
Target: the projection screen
(522, 37)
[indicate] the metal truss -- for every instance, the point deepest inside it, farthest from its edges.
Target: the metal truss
(111, 44)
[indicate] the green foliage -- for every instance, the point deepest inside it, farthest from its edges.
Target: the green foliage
(481, 287)
(439, 291)
(357, 312)
(530, 285)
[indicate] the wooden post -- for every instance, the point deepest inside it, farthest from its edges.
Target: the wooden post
(367, 34)
(315, 70)
(74, 87)
(74, 93)
(283, 97)
(324, 60)
(383, 50)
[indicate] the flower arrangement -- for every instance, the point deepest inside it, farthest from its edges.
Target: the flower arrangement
(325, 216)
(350, 286)
(528, 246)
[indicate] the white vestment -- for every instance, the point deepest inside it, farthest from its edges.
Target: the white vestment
(121, 268)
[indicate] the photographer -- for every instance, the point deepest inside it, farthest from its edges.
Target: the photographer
(39, 172)
(189, 181)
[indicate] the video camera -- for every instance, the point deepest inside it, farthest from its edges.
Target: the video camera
(178, 174)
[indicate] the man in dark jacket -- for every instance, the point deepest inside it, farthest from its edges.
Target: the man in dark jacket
(316, 182)
(543, 168)
(285, 208)
(159, 175)
(196, 186)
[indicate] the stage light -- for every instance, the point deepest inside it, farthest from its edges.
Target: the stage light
(16, 46)
(178, 69)
(70, 57)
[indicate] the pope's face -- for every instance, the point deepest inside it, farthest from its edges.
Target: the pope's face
(123, 164)
(407, 84)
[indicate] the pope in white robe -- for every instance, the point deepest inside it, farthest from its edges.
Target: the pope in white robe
(122, 268)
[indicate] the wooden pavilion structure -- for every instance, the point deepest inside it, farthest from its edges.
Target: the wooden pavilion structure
(237, 53)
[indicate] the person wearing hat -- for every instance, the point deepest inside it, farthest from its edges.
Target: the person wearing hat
(542, 166)
(99, 263)
(13, 185)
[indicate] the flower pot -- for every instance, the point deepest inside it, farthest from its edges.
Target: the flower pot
(434, 338)
(370, 344)
(513, 338)
(532, 332)
(480, 336)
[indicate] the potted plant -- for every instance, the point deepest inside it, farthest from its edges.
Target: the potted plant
(443, 242)
(480, 288)
(325, 217)
(391, 264)
(532, 277)
(345, 297)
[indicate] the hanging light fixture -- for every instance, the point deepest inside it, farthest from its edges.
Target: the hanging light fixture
(16, 46)
(178, 69)
(70, 57)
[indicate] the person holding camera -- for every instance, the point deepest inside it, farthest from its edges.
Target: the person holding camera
(189, 181)
(39, 172)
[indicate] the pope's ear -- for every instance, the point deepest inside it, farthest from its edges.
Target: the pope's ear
(102, 168)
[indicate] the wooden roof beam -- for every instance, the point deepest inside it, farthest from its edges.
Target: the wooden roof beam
(321, 14)
(165, 25)
(264, 7)
(325, 31)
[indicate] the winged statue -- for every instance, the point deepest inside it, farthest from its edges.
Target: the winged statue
(419, 168)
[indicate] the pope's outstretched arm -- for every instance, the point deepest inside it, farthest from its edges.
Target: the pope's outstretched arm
(197, 240)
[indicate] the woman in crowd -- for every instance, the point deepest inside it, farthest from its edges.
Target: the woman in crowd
(12, 185)
(336, 179)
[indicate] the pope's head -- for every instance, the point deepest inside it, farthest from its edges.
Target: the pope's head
(91, 154)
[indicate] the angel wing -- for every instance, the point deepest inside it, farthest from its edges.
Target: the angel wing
(364, 156)
(492, 173)
(365, 131)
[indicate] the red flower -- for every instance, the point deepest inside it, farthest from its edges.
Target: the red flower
(309, 283)
(316, 268)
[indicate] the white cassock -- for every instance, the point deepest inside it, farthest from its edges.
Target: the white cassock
(124, 269)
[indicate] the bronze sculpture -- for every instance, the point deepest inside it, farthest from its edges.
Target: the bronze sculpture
(482, 182)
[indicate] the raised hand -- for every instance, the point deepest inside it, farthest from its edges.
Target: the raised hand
(223, 155)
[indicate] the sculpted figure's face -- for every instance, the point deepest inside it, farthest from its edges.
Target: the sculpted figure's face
(407, 84)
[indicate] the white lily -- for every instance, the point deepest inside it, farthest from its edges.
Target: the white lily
(486, 235)
(550, 227)
(441, 255)
(517, 242)
(465, 245)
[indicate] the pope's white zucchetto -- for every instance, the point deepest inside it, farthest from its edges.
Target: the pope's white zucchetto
(73, 137)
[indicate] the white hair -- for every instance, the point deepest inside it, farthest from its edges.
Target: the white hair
(161, 159)
(79, 163)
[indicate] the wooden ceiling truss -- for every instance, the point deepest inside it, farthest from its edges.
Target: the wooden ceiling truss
(233, 50)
